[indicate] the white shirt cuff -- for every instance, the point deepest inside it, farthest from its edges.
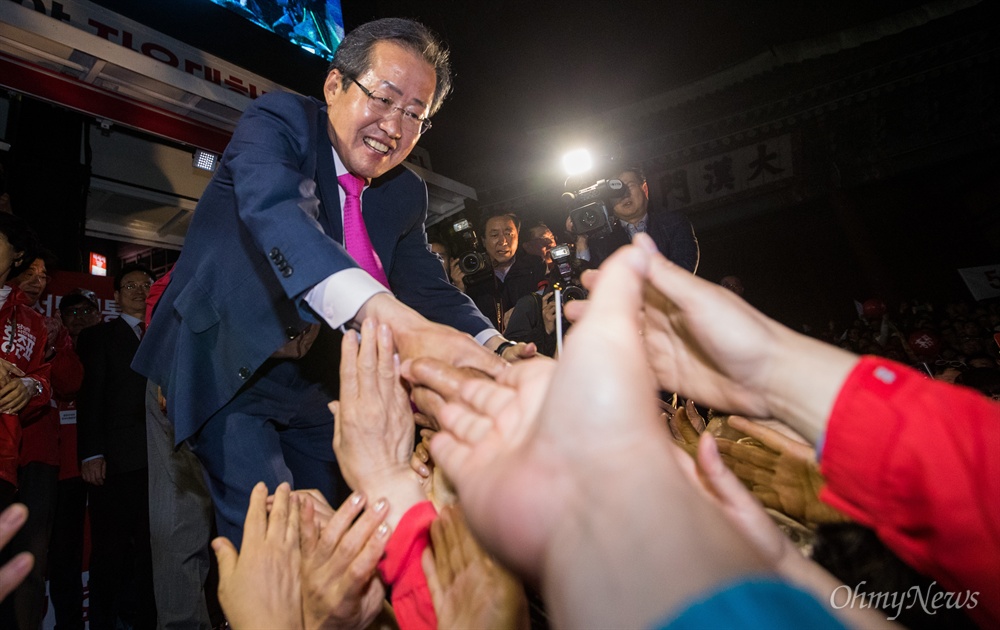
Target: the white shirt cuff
(485, 336)
(583, 254)
(339, 298)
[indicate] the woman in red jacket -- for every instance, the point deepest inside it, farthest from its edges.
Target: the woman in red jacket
(24, 375)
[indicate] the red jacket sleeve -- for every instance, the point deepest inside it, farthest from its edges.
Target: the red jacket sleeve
(919, 462)
(37, 368)
(155, 293)
(402, 571)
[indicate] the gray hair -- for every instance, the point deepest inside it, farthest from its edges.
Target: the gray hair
(354, 55)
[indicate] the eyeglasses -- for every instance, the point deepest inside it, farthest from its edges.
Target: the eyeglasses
(134, 286)
(385, 106)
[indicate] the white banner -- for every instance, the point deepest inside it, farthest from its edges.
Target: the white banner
(721, 175)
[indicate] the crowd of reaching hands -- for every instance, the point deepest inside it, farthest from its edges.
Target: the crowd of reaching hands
(571, 479)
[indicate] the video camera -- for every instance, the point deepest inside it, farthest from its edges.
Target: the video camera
(472, 257)
(591, 208)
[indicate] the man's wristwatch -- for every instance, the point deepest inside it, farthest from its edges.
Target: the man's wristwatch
(34, 386)
(503, 346)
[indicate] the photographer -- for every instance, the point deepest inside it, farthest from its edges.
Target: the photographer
(670, 230)
(533, 319)
(539, 243)
(513, 276)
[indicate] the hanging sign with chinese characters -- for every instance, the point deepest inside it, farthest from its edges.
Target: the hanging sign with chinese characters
(725, 174)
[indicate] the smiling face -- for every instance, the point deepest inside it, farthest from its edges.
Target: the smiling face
(633, 206)
(369, 144)
(33, 280)
(131, 295)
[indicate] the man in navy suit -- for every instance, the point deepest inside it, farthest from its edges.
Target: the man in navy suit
(670, 230)
(263, 269)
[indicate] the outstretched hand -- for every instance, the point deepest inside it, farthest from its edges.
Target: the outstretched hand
(373, 437)
(416, 336)
(469, 590)
(742, 510)
(686, 425)
(260, 586)
(504, 423)
(373, 434)
(544, 461)
(706, 343)
(784, 476)
(340, 588)
(514, 447)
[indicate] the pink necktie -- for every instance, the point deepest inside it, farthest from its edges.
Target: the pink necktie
(356, 240)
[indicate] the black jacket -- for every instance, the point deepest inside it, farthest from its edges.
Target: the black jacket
(491, 295)
(671, 231)
(111, 405)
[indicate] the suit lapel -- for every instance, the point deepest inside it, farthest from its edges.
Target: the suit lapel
(381, 220)
(326, 181)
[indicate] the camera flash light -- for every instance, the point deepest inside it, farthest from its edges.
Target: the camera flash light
(577, 161)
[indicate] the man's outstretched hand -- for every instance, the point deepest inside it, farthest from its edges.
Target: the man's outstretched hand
(416, 336)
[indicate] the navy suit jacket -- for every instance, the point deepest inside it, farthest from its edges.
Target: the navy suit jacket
(267, 229)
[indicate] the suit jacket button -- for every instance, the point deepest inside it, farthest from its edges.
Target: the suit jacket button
(291, 332)
(244, 373)
(286, 271)
(275, 254)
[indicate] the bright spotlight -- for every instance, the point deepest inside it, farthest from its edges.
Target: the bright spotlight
(576, 162)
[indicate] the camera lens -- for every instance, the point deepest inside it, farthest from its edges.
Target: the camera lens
(470, 263)
(588, 219)
(574, 292)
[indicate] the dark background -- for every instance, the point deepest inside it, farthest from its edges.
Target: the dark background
(521, 65)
